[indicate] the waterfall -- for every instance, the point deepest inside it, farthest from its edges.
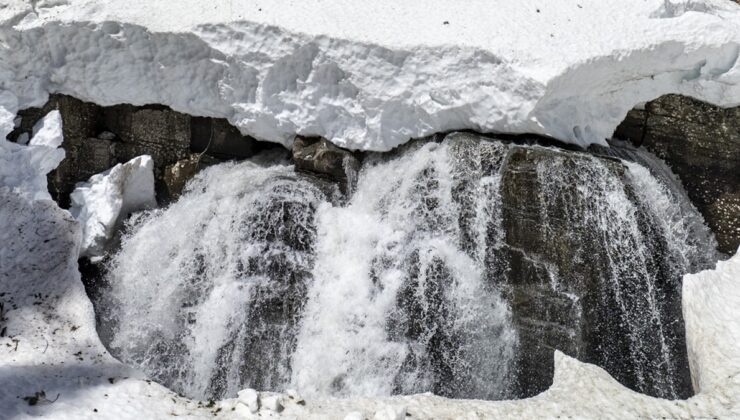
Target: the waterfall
(454, 268)
(205, 295)
(397, 305)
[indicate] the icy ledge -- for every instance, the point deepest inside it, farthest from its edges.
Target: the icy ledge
(372, 74)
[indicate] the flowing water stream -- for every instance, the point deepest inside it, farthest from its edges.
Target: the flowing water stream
(453, 268)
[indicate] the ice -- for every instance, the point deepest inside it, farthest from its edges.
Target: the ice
(101, 203)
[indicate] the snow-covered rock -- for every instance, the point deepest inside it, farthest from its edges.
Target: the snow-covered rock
(106, 198)
(371, 75)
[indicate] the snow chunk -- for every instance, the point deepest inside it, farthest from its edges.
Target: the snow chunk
(249, 398)
(102, 202)
(23, 168)
(390, 413)
(273, 403)
(48, 131)
(355, 415)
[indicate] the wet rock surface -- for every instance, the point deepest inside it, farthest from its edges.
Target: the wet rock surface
(177, 175)
(701, 144)
(577, 283)
(317, 155)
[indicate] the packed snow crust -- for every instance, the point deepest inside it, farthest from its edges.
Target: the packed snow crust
(372, 74)
(101, 203)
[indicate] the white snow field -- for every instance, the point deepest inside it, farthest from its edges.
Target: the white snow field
(366, 75)
(372, 74)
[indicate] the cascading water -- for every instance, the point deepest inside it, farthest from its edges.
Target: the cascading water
(205, 296)
(454, 268)
(397, 305)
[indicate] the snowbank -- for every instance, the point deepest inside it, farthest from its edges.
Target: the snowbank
(374, 74)
(711, 310)
(101, 203)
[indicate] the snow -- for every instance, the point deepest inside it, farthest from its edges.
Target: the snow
(48, 131)
(23, 168)
(374, 74)
(101, 203)
(713, 345)
(250, 398)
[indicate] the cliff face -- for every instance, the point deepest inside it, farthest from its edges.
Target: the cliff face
(701, 144)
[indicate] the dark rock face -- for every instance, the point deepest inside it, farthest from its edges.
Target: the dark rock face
(177, 175)
(221, 140)
(96, 138)
(701, 144)
(319, 156)
(578, 282)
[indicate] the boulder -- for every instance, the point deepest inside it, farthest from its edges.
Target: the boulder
(177, 175)
(317, 155)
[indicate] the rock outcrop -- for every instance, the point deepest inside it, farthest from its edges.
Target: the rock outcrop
(701, 144)
(317, 155)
